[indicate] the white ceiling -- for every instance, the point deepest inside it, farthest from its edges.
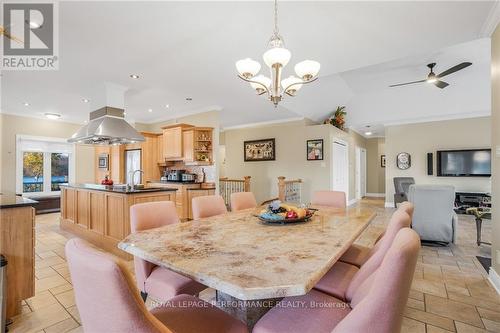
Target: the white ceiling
(188, 49)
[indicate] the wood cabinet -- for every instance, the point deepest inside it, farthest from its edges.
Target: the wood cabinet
(181, 196)
(172, 143)
(188, 145)
(197, 145)
(17, 244)
(196, 193)
(102, 217)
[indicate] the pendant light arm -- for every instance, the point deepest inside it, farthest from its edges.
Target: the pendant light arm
(297, 83)
(266, 89)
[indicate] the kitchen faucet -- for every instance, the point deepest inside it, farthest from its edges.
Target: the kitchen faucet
(131, 184)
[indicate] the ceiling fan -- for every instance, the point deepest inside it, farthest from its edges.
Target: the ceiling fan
(436, 79)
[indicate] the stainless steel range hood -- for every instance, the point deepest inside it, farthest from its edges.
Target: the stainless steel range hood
(107, 126)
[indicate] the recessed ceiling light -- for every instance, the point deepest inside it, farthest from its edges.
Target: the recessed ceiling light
(84, 100)
(189, 98)
(368, 133)
(26, 104)
(134, 76)
(167, 106)
(124, 113)
(52, 115)
(150, 110)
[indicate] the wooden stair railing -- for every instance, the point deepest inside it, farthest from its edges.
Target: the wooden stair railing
(228, 186)
(289, 190)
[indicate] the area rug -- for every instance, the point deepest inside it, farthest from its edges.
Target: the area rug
(485, 262)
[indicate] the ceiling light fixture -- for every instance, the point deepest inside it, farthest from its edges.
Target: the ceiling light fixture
(26, 104)
(52, 116)
(167, 106)
(84, 100)
(368, 133)
(134, 76)
(276, 58)
(150, 110)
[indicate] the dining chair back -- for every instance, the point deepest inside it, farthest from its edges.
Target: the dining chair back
(399, 220)
(145, 216)
(335, 199)
(106, 297)
(207, 206)
(379, 302)
(242, 200)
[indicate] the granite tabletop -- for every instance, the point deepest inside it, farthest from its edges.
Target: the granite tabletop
(11, 200)
(123, 190)
(238, 255)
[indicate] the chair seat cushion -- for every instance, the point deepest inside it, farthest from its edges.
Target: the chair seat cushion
(356, 255)
(164, 284)
(188, 314)
(336, 281)
(314, 312)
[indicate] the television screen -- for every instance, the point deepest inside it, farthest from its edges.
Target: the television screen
(464, 163)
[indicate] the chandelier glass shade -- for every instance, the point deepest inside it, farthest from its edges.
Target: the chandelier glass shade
(276, 58)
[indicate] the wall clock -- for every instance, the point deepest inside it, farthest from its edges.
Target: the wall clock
(403, 161)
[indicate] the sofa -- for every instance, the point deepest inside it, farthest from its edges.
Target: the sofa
(434, 218)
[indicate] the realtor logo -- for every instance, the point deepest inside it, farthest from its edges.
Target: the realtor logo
(29, 36)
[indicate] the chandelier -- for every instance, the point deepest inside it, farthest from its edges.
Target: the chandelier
(276, 58)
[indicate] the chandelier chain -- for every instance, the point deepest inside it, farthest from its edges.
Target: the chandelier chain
(276, 30)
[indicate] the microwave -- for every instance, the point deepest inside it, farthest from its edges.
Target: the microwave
(103, 161)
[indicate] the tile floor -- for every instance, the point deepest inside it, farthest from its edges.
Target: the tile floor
(450, 291)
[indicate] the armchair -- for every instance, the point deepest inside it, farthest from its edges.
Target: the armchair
(434, 218)
(401, 185)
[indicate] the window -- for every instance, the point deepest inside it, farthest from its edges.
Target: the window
(44, 164)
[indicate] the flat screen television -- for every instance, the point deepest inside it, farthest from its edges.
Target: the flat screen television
(464, 163)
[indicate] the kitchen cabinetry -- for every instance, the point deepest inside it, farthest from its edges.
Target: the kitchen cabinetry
(197, 145)
(172, 141)
(181, 197)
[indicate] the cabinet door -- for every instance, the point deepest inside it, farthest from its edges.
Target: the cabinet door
(172, 142)
(150, 158)
(188, 144)
(159, 142)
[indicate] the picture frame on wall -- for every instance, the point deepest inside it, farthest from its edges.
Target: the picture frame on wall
(382, 161)
(103, 162)
(259, 150)
(314, 149)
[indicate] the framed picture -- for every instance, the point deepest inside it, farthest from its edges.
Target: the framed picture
(314, 150)
(103, 161)
(403, 161)
(259, 150)
(382, 161)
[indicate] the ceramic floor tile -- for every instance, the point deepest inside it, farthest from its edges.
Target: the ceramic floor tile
(434, 329)
(67, 298)
(489, 314)
(453, 310)
(466, 328)
(430, 318)
(412, 326)
(63, 326)
(40, 319)
(41, 300)
(491, 325)
(49, 282)
(429, 287)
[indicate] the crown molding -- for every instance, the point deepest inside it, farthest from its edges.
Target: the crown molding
(492, 20)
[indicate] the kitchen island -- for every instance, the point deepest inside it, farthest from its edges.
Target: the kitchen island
(17, 244)
(101, 214)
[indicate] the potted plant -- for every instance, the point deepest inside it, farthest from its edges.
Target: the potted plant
(337, 119)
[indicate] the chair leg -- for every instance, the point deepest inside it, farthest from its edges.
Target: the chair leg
(144, 296)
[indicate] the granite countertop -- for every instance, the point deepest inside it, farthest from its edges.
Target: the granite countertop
(123, 190)
(171, 182)
(10, 200)
(238, 255)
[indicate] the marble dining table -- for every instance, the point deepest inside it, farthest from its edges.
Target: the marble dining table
(252, 265)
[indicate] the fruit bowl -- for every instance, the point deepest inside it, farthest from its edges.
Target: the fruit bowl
(278, 213)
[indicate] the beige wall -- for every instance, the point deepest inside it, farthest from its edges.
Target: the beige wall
(290, 160)
(375, 174)
(495, 126)
(14, 125)
(423, 138)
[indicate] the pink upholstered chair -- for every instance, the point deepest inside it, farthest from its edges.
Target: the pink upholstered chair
(242, 200)
(377, 305)
(159, 283)
(357, 255)
(208, 205)
(108, 301)
(342, 280)
(329, 198)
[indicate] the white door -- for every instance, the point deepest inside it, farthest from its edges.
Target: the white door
(360, 172)
(340, 163)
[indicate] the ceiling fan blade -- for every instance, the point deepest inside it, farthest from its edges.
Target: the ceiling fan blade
(441, 84)
(455, 69)
(404, 84)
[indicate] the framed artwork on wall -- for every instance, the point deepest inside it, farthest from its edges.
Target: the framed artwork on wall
(382, 161)
(259, 150)
(103, 161)
(314, 150)
(403, 161)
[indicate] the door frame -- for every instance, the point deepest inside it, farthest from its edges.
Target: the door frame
(360, 191)
(332, 183)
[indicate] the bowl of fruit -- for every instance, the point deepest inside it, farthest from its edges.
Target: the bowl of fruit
(281, 213)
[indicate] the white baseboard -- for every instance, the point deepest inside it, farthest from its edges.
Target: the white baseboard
(494, 279)
(352, 202)
(376, 195)
(389, 204)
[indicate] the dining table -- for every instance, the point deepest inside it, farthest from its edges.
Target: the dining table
(252, 265)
